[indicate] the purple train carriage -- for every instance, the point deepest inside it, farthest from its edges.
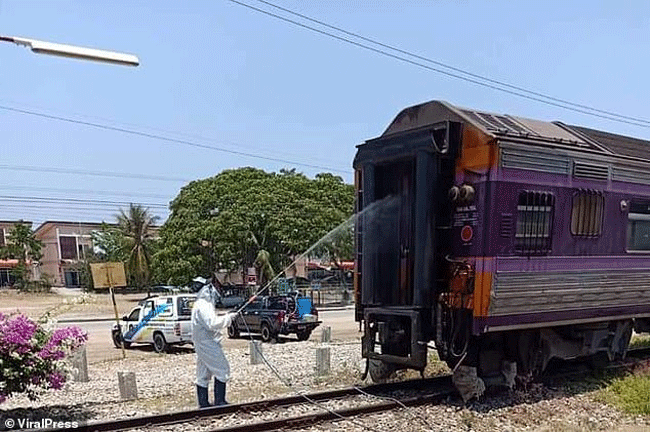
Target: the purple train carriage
(504, 240)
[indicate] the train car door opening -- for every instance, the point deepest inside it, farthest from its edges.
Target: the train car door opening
(396, 242)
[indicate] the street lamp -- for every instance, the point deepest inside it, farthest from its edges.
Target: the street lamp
(76, 52)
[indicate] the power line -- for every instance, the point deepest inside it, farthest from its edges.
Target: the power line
(48, 210)
(191, 136)
(91, 173)
(164, 138)
(101, 205)
(456, 69)
(85, 192)
(13, 198)
(47, 206)
(471, 78)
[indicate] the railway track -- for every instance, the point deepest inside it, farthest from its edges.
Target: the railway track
(280, 413)
(305, 410)
(578, 368)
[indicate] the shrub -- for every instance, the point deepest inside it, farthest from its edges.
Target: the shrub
(631, 393)
(31, 357)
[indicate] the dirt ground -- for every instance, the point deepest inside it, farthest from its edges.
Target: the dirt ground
(67, 304)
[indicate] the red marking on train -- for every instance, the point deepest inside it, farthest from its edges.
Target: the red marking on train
(466, 233)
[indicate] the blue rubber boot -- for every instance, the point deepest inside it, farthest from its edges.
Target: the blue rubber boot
(202, 396)
(219, 393)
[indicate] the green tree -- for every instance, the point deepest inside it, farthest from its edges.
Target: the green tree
(24, 247)
(224, 221)
(137, 227)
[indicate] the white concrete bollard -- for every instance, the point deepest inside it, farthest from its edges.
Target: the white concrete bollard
(79, 362)
(326, 335)
(127, 385)
(322, 360)
(256, 352)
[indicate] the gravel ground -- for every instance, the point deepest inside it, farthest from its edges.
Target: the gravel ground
(166, 383)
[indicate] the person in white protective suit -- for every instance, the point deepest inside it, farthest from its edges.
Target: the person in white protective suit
(206, 335)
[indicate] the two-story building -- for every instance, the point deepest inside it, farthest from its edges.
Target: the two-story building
(65, 246)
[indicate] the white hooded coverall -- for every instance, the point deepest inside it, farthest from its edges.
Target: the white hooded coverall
(206, 335)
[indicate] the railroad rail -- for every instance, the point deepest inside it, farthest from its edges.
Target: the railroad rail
(386, 397)
(436, 389)
(580, 367)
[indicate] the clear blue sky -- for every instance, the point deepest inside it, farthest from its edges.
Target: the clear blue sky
(217, 74)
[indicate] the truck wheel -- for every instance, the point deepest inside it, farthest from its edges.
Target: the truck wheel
(267, 335)
(303, 335)
(233, 331)
(159, 343)
(117, 340)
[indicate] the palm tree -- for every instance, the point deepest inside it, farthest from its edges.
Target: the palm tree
(138, 229)
(264, 268)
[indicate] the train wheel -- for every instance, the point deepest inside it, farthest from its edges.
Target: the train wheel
(532, 357)
(380, 371)
(621, 341)
(599, 361)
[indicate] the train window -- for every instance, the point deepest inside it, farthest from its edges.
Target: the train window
(587, 213)
(638, 227)
(534, 222)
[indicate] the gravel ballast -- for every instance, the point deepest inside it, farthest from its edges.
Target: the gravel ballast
(165, 383)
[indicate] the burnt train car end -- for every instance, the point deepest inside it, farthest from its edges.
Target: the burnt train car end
(485, 234)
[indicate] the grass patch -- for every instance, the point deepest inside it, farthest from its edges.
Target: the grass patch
(640, 341)
(630, 393)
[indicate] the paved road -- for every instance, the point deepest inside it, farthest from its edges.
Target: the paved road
(100, 346)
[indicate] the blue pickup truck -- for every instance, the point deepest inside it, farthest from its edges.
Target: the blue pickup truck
(271, 316)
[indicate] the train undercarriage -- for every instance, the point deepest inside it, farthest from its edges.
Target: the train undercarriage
(498, 358)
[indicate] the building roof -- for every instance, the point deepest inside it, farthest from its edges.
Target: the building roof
(47, 224)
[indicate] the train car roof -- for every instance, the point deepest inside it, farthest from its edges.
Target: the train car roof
(554, 134)
(618, 144)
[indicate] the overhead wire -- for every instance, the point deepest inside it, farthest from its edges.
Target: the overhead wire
(85, 191)
(165, 138)
(15, 207)
(95, 173)
(58, 207)
(192, 136)
(456, 69)
(471, 78)
(13, 198)
(89, 216)
(274, 206)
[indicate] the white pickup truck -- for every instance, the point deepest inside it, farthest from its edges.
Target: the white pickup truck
(161, 321)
